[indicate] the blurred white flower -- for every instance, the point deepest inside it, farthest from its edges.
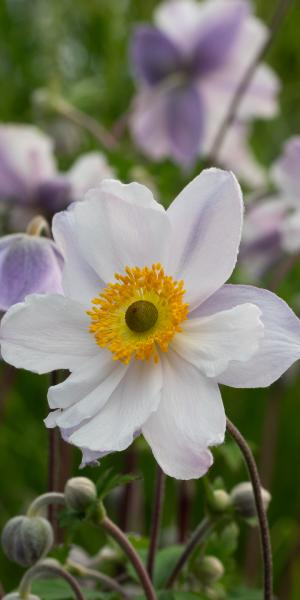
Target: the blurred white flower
(147, 327)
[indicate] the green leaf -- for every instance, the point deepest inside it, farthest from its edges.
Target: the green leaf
(164, 563)
(58, 589)
(109, 480)
(245, 593)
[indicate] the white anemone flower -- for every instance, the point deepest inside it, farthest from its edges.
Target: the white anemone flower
(146, 325)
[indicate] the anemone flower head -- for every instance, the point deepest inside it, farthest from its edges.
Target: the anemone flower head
(146, 325)
(28, 264)
(187, 67)
(272, 224)
(30, 180)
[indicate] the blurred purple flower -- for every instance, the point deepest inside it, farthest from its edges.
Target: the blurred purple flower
(29, 178)
(28, 264)
(272, 224)
(188, 66)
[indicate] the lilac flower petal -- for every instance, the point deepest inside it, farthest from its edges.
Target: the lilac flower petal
(153, 54)
(26, 159)
(185, 123)
(286, 171)
(53, 195)
(280, 346)
(28, 265)
(218, 38)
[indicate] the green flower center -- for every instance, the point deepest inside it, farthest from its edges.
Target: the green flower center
(141, 316)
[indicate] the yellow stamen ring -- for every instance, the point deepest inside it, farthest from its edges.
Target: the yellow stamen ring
(138, 314)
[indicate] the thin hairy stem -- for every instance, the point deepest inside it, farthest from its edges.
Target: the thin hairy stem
(82, 119)
(261, 513)
(183, 510)
(53, 460)
(198, 536)
(113, 530)
(276, 21)
(156, 520)
(43, 569)
(105, 580)
(48, 499)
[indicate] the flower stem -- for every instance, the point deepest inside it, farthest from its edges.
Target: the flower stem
(261, 513)
(108, 582)
(44, 568)
(113, 530)
(277, 18)
(198, 536)
(156, 520)
(53, 460)
(47, 499)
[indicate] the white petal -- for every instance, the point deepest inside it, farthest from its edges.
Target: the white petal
(190, 418)
(86, 391)
(206, 221)
(79, 279)
(280, 346)
(46, 332)
(118, 226)
(114, 427)
(210, 343)
(88, 172)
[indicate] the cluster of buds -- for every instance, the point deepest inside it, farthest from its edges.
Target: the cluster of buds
(26, 539)
(240, 501)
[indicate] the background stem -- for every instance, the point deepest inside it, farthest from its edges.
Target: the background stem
(156, 520)
(261, 513)
(113, 530)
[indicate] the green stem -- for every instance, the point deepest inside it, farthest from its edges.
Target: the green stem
(108, 582)
(47, 499)
(45, 568)
(198, 536)
(113, 530)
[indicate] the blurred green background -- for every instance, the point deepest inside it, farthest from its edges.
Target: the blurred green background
(79, 50)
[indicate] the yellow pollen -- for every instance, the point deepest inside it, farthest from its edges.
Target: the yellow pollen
(112, 310)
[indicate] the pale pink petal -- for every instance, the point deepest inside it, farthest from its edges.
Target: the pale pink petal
(190, 417)
(280, 346)
(211, 343)
(206, 221)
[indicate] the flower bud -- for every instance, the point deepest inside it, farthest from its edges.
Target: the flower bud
(80, 493)
(28, 265)
(243, 500)
(220, 501)
(210, 570)
(25, 540)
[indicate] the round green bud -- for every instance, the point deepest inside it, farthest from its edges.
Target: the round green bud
(220, 501)
(25, 540)
(80, 493)
(141, 316)
(243, 500)
(210, 570)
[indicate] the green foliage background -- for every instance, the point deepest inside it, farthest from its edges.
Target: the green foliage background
(79, 50)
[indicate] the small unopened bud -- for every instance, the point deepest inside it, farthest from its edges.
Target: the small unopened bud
(220, 501)
(243, 500)
(80, 493)
(25, 540)
(210, 570)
